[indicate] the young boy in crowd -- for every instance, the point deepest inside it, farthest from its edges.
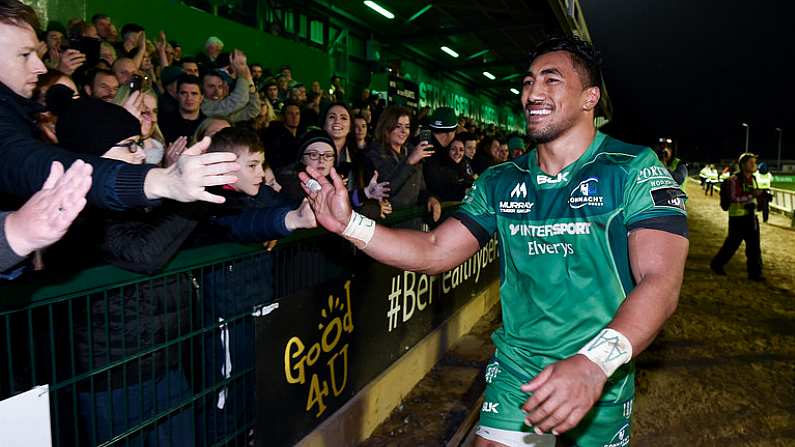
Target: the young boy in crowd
(252, 212)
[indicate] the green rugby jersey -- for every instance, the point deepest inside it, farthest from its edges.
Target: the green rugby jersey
(564, 262)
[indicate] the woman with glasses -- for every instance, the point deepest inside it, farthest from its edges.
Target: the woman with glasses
(316, 150)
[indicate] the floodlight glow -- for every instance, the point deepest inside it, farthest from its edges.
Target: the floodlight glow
(379, 9)
(489, 75)
(449, 51)
(514, 91)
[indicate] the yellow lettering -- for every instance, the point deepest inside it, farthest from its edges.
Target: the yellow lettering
(299, 366)
(324, 343)
(422, 287)
(333, 370)
(312, 356)
(446, 276)
(347, 319)
(316, 395)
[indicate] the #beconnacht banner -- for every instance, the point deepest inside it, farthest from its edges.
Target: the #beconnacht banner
(317, 349)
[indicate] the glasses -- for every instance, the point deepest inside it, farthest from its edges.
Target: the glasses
(315, 156)
(132, 146)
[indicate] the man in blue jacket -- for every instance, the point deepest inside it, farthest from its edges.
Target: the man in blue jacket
(25, 161)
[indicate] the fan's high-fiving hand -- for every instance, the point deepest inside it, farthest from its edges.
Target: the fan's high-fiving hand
(330, 202)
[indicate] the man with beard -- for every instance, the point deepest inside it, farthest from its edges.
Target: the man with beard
(593, 241)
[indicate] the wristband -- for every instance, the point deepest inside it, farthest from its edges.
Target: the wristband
(360, 227)
(609, 350)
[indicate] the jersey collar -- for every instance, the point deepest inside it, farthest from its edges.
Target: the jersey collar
(543, 181)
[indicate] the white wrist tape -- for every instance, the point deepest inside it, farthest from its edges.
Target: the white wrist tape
(609, 350)
(360, 227)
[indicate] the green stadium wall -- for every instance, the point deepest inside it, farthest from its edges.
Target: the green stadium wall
(191, 27)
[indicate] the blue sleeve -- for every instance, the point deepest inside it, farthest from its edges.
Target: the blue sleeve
(255, 224)
(25, 164)
(8, 258)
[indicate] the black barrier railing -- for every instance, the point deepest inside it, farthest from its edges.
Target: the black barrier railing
(158, 360)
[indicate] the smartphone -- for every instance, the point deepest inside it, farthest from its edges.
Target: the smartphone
(135, 83)
(425, 135)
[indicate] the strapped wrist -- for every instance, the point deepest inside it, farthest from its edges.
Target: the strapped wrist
(359, 227)
(609, 350)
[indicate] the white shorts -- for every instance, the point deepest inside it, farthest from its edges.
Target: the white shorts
(515, 438)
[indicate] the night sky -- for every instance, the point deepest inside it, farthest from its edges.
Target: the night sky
(695, 70)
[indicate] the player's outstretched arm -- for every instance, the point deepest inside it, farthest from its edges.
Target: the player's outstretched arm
(445, 247)
(565, 391)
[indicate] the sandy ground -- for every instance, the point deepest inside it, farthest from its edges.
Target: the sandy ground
(721, 373)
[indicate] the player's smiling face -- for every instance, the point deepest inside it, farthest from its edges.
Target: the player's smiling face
(552, 96)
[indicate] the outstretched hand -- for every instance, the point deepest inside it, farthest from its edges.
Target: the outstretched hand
(330, 203)
(46, 216)
(563, 393)
(375, 190)
(186, 180)
(301, 217)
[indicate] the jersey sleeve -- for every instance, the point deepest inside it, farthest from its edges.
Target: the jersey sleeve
(652, 198)
(476, 212)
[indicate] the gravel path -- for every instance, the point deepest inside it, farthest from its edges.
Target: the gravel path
(722, 372)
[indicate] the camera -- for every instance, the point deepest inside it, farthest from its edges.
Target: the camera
(135, 83)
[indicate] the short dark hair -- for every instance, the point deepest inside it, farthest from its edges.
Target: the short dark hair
(188, 79)
(13, 12)
(131, 28)
(232, 139)
(213, 73)
(466, 136)
(92, 75)
(586, 59)
(97, 17)
(188, 59)
(291, 104)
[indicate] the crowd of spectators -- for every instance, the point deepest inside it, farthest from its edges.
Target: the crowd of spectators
(139, 112)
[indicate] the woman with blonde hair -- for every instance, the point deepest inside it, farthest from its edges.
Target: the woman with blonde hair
(152, 136)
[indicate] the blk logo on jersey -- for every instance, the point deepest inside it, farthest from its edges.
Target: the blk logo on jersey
(517, 206)
(586, 194)
(561, 177)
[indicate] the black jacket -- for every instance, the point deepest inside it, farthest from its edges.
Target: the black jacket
(406, 181)
(446, 180)
(126, 322)
(25, 161)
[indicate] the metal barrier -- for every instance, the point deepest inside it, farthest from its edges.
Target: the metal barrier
(783, 200)
(139, 360)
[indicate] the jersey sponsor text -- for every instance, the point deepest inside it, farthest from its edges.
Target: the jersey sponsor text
(557, 229)
(557, 248)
